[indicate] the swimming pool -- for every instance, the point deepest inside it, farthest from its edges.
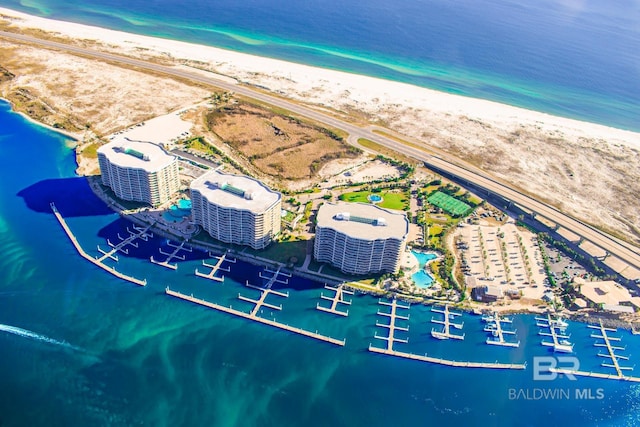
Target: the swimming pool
(374, 198)
(420, 277)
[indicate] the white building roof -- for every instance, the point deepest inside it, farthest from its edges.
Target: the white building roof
(136, 154)
(607, 292)
(235, 191)
(363, 221)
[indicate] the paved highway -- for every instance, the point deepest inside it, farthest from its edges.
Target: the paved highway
(625, 251)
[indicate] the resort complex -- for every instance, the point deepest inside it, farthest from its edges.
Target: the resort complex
(236, 209)
(139, 171)
(360, 238)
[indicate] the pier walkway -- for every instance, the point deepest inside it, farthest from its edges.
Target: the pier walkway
(141, 233)
(314, 335)
(273, 279)
(494, 326)
(393, 315)
(170, 256)
(560, 342)
(447, 324)
(335, 300)
(447, 362)
(610, 348)
(211, 275)
(260, 302)
(89, 258)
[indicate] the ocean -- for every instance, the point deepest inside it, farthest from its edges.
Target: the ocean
(571, 58)
(79, 347)
(82, 348)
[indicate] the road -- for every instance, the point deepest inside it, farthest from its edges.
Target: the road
(625, 251)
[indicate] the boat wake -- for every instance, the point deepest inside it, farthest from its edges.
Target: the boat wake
(34, 336)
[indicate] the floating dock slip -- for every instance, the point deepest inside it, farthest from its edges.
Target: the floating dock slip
(215, 268)
(335, 300)
(273, 323)
(89, 258)
(560, 342)
(446, 324)
(390, 338)
(140, 233)
(274, 278)
(264, 292)
(610, 348)
(494, 326)
(170, 256)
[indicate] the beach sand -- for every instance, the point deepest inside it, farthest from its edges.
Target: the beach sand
(587, 170)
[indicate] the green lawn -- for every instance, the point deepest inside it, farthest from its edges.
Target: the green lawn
(290, 216)
(283, 251)
(390, 200)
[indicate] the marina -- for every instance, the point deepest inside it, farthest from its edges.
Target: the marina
(260, 302)
(274, 278)
(253, 316)
(391, 326)
(336, 299)
(494, 326)
(610, 348)
(447, 324)
(557, 327)
(173, 255)
(140, 233)
(88, 257)
(211, 275)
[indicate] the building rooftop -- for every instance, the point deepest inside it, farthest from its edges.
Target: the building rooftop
(137, 154)
(607, 293)
(235, 191)
(363, 220)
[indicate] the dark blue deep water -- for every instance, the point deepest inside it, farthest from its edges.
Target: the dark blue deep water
(81, 348)
(573, 58)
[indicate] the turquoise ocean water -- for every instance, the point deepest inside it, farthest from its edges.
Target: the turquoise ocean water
(79, 347)
(576, 59)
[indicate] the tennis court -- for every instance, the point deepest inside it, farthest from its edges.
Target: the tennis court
(449, 204)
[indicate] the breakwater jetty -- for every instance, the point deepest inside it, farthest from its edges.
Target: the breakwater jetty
(253, 316)
(97, 262)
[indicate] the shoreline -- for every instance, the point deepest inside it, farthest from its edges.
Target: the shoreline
(73, 137)
(293, 80)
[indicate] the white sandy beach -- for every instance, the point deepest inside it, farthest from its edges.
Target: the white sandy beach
(589, 170)
(323, 86)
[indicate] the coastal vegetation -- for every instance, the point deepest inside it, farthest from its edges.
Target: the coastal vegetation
(277, 145)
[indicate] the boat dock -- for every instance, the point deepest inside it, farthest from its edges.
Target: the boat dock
(335, 300)
(446, 324)
(274, 278)
(446, 362)
(140, 233)
(211, 275)
(260, 302)
(560, 342)
(170, 256)
(494, 326)
(393, 315)
(610, 348)
(256, 318)
(88, 257)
